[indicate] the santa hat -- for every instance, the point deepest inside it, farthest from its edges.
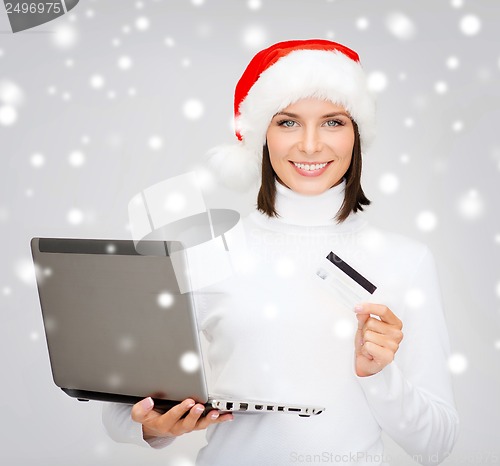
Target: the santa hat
(279, 76)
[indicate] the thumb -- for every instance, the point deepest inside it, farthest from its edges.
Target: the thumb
(362, 318)
(143, 410)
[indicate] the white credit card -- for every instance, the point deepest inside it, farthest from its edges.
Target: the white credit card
(348, 286)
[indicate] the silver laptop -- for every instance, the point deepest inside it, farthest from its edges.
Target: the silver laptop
(118, 328)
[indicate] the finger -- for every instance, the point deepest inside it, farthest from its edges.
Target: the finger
(213, 417)
(380, 340)
(383, 328)
(143, 411)
(362, 318)
(381, 356)
(168, 420)
(189, 422)
(380, 310)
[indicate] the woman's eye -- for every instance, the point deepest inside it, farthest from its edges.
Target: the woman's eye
(287, 123)
(333, 123)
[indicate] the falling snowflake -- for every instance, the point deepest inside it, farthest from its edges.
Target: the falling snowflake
(470, 205)
(189, 362)
(344, 329)
(11, 93)
(197, 2)
(452, 62)
(254, 4)
(498, 289)
(388, 183)
(362, 23)
(26, 271)
(142, 23)
(175, 202)
(426, 221)
(169, 42)
(124, 63)
(96, 81)
(76, 158)
(65, 36)
(193, 109)
(155, 142)
(377, 81)
(441, 87)
(165, 299)
(457, 126)
(75, 217)
(470, 25)
(254, 37)
(400, 26)
(414, 298)
(8, 115)
(37, 160)
(409, 122)
(457, 363)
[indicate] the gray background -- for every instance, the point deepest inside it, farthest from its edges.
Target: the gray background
(443, 148)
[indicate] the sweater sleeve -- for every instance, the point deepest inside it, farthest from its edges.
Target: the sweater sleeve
(120, 426)
(412, 398)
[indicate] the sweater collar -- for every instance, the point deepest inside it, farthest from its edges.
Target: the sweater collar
(297, 210)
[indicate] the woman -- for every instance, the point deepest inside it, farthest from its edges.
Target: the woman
(303, 117)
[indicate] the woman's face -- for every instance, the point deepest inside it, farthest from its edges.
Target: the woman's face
(310, 145)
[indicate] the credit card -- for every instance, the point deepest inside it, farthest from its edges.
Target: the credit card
(346, 284)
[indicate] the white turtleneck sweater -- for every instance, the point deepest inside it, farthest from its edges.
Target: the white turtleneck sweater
(276, 333)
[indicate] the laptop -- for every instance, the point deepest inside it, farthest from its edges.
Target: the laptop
(119, 329)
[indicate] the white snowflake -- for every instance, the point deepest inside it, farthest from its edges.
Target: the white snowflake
(155, 142)
(377, 81)
(400, 26)
(8, 115)
(169, 42)
(142, 23)
(175, 202)
(189, 362)
(254, 4)
(362, 23)
(75, 217)
(470, 205)
(193, 109)
(452, 62)
(37, 160)
(11, 93)
(470, 25)
(457, 363)
(457, 126)
(96, 81)
(76, 158)
(124, 62)
(441, 87)
(426, 221)
(388, 183)
(65, 36)
(254, 37)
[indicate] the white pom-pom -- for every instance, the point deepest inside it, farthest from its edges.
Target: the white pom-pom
(235, 165)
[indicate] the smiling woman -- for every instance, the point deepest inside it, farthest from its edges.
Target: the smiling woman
(303, 117)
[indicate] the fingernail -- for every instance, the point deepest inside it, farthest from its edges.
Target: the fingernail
(230, 418)
(358, 308)
(147, 403)
(214, 415)
(190, 404)
(199, 409)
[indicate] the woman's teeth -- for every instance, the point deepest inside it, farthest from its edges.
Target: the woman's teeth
(310, 166)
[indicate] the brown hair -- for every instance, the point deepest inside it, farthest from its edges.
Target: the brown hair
(354, 198)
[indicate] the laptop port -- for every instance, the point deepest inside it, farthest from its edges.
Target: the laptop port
(229, 405)
(243, 406)
(281, 408)
(259, 407)
(294, 410)
(270, 408)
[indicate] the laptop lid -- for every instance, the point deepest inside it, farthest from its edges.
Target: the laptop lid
(117, 326)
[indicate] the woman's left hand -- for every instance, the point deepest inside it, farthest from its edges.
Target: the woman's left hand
(376, 341)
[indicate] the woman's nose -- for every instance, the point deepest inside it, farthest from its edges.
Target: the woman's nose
(310, 142)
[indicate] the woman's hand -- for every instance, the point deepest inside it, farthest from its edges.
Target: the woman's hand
(171, 423)
(376, 341)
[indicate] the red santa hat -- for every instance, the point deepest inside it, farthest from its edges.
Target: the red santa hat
(279, 76)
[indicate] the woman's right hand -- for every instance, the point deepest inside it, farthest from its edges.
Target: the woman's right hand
(171, 423)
